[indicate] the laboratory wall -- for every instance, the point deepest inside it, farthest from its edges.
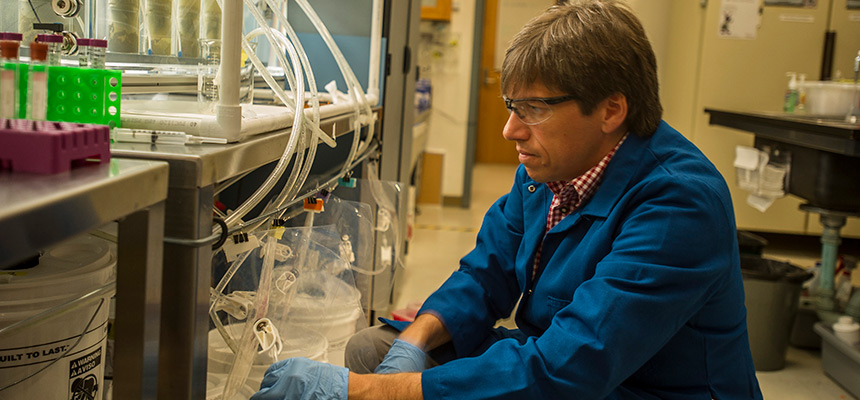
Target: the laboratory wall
(450, 74)
(746, 72)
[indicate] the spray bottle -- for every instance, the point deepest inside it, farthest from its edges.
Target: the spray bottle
(791, 94)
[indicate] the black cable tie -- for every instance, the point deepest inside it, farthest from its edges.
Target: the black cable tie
(224, 233)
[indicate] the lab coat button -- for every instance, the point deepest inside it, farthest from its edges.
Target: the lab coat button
(531, 292)
(532, 188)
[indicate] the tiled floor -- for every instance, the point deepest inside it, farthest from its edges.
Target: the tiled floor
(442, 235)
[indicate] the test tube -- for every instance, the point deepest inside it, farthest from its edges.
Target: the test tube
(98, 47)
(55, 47)
(84, 52)
(9, 44)
(37, 86)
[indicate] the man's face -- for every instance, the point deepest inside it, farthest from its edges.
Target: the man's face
(563, 147)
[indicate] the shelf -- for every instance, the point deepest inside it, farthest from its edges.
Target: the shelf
(38, 211)
(829, 135)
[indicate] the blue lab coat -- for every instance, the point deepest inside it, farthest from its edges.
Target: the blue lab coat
(638, 294)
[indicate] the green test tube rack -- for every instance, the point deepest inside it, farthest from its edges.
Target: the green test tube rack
(83, 95)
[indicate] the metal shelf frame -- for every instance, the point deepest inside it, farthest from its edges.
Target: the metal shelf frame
(194, 172)
(39, 211)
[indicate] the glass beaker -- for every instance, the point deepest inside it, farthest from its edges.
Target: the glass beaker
(207, 72)
(208, 78)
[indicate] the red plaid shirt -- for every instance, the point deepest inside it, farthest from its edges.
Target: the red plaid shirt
(568, 196)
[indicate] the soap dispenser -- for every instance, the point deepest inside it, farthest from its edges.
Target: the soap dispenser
(791, 94)
(801, 95)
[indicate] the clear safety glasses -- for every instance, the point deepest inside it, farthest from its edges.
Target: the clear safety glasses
(534, 110)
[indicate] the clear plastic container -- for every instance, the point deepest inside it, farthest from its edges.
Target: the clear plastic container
(9, 46)
(84, 52)
(55, 47)
(98, 48)
(37, 86)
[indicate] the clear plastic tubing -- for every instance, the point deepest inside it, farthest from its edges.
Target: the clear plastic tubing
(55, 47)
(37, 87)
(267, 186)
(10, 43)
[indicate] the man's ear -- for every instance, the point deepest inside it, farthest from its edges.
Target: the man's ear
(614, 112)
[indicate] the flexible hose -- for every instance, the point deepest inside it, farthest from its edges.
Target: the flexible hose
(298, 119)
(353, 86)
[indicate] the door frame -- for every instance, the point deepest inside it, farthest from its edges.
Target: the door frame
(474, 92)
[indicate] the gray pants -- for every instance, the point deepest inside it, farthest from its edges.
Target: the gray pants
(368, 347)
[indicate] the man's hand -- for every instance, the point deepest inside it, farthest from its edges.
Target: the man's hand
(303, 379)
(402, 357)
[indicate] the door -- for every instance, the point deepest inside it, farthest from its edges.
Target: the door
(491, 146)
(502, 20)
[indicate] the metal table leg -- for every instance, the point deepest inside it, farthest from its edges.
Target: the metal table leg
(139, 273)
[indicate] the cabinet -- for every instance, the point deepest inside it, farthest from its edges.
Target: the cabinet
(436, 10)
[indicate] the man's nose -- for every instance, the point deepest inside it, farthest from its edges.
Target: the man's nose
(515, 129)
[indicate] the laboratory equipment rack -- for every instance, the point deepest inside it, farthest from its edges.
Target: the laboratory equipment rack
(194, 172)
(39, 211)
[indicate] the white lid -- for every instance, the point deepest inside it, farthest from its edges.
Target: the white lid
(78, 265)
(846, 324)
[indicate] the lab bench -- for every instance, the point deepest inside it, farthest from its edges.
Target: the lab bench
(39, 211)
(195, 170)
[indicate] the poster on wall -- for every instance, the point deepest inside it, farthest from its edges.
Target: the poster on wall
(739, 19)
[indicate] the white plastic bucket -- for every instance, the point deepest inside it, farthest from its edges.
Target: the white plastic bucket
(332, 309)
(56, 359)
(215, 388)
(334, 314)
(297, 342)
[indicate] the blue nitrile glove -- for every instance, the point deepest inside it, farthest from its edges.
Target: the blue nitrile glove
(303, 379)
(402, 357)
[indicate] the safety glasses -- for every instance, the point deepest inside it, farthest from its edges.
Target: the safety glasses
(534, 110)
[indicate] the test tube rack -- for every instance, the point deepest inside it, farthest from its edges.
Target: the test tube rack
(47, 147)
(84, 95)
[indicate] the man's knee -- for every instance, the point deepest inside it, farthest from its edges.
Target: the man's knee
(368, 347)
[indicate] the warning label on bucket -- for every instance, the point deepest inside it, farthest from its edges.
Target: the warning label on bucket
(83, 381)
(48, 350)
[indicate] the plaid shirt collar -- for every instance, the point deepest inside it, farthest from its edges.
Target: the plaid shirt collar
(575, 192)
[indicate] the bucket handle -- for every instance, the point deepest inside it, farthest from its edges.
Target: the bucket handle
(56, 310)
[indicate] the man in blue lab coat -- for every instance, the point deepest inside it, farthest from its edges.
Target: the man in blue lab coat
(617, 239)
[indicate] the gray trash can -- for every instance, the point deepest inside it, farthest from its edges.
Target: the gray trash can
(772, 290)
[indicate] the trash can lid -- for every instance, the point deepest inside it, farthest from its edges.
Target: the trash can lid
(772, 270)
(750, 243)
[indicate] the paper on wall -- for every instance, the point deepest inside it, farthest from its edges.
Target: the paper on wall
(739, 19)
